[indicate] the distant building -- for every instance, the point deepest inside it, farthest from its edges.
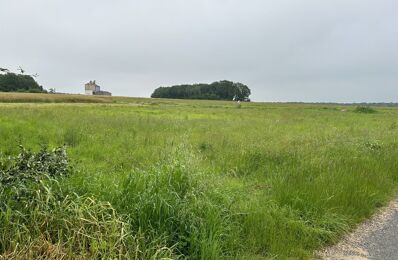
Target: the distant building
(92, 88)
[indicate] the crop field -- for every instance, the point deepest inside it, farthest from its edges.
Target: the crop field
(151, 178)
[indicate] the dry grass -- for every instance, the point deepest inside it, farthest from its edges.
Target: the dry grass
(40, 249)
(15, 97)
(12, 97)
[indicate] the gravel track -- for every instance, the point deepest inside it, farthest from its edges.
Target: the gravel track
(376, 238)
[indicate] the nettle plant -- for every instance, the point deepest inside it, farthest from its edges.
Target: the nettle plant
(20, 175)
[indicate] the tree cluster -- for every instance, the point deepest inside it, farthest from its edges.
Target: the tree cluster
(13, 82)
(220, 90)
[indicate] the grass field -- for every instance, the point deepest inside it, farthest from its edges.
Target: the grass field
(198, 179)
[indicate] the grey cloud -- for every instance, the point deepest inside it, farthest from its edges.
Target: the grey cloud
(284, 50)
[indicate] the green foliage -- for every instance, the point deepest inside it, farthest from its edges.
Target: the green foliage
(364, 109)
(12, 82)
(19, 174)
(220, 90)
(31, 167)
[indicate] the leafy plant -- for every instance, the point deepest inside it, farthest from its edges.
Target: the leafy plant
(364, 109)
(29, 167)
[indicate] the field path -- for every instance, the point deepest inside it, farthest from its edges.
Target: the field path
(376, 238)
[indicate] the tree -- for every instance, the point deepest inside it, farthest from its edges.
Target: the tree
(219, 90)
(13, 82)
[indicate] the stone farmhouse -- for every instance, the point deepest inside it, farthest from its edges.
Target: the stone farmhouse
(91, 88)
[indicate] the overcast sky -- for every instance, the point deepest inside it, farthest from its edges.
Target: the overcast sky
(284, 50)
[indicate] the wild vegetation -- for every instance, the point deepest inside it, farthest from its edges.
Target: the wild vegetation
(152, 178)
(219, 90)
(364, 109)
(15, 82)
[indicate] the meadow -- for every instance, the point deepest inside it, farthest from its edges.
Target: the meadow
(152, 178)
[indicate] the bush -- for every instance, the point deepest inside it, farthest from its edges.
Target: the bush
(364, 109)
(20, 175)
(30, 167)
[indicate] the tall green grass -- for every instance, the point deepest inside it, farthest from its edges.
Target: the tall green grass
(207, 180)
(176, 202)
(41, 219)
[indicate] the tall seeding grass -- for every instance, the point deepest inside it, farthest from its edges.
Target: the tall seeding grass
(166, 211)
(174, 204)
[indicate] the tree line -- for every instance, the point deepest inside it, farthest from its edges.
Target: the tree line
(18, 82)
(219, 90)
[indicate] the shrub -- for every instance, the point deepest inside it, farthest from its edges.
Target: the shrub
(20, 174)
(364, 109)
(32, 167)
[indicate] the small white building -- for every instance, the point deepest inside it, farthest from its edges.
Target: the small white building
(91, 88)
